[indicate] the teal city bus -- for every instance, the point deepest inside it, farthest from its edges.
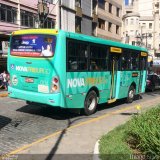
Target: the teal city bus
(72, 70)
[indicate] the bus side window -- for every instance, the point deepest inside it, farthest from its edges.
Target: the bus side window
(143, 63)
(134, 60)
(125, 63)
(77, 56)
(98, 57)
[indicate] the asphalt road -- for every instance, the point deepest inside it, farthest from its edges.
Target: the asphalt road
(21, 124)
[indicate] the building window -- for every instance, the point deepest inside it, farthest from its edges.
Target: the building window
(101, 24)
(110, 27)
(144, 25)
(150, 25)
(49, 23)
(101, 4)
(132, 33)
(117, 29)
(8, 13)
(137, 21)
(126, 22)
(132, 21)
(78, 3)
(110, 8)
(117, 12)
(78, 25)
(133, 43)
(28, 19)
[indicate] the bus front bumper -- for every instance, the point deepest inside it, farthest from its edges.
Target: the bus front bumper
(50, 99)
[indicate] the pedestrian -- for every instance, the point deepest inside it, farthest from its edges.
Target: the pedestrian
(4, 80)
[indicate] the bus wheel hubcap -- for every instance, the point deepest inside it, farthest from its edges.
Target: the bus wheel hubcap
(131, 94)
(91, 103)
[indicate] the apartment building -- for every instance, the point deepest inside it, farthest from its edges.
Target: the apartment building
(141, 24)
(101, 18)
(109, 19)
(75, 16)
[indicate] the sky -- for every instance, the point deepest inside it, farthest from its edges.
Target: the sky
(126, 2)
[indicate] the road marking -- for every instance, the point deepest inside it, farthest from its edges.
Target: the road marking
(14, 101)
(71, 127)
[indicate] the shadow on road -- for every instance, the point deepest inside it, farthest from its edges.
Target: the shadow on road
(48, 111)
(4, 121)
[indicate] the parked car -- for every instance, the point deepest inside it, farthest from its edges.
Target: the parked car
(153, 82)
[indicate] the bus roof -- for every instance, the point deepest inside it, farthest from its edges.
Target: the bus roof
(78, 37)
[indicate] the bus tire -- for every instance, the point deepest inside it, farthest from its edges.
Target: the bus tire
(28, 102)
(131, 94)
(90, 103)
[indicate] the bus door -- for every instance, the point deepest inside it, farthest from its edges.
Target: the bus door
(114, 65)
(143, 72)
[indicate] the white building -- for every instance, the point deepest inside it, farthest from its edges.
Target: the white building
(141, 24)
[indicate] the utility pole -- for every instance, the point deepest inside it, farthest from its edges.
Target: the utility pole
(146, 36)
(43, 11)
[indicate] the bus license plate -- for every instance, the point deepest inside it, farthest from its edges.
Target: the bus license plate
(29, 80)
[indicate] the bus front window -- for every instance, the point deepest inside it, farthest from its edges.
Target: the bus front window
(33, 45)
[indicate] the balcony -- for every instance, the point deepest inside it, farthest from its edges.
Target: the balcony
(78, 11)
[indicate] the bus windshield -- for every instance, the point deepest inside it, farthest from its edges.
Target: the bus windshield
(33, 45)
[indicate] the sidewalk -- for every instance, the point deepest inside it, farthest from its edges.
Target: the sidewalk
(81, 138)
(3, 93)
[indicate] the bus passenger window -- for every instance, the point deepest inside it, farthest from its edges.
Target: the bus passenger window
(98, 57)
(134, 61)
(77, 55)
(125, 63)
(93, 66)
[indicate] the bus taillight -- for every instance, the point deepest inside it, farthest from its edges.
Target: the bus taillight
(55, 85)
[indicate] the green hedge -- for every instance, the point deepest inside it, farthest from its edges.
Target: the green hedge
(143, 133)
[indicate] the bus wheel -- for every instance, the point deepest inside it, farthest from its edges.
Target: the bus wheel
(131, 94)
(28, 102)
(90, 103)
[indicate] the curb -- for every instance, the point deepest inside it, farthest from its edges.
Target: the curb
(96, 151)
(4, 94)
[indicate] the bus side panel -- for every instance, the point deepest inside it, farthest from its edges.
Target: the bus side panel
(144, 81)
(124, 82)
(60, 66)
(79, 83)
(126, 79)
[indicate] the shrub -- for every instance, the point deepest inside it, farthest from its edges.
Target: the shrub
(143, 133)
